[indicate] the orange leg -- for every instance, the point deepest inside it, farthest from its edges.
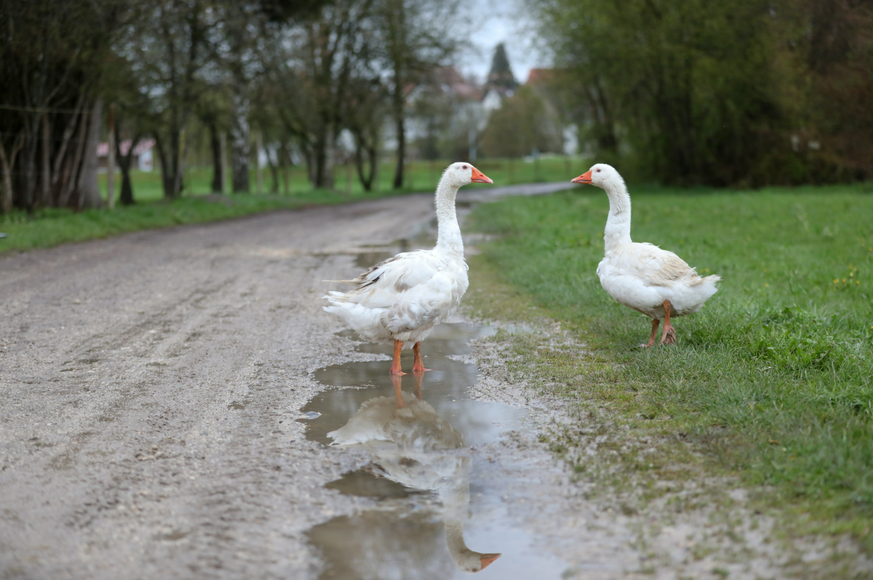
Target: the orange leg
(669, 336)
(395, 368)
(418, 366)
(418, 377)
(655, 323)
(398, 394)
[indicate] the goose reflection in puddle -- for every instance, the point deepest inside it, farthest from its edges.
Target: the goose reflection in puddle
(413, 446)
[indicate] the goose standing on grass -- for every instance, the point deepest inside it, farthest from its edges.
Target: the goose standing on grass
(404, 297)
(642, 276)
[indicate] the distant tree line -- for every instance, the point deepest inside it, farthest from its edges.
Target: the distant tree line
(731, 92)
(738, 92)
(297, 72)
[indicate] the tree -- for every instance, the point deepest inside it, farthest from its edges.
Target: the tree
(689, 86)
(500, 76)
(240, 25)
(416, 37)
(837, 46)
(520, 127)
(51, 73)
(366, 111)
(172, 57)
(331, 48)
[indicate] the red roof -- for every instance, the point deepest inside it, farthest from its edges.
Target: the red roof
(540, 75)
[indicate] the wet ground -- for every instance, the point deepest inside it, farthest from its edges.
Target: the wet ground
(152, 385)
(436, 512)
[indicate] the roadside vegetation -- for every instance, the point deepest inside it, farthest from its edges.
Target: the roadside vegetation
(772, 382)
(52, 226)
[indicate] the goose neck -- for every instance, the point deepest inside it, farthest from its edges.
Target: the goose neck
(448, 232)
(454, 529)
(618, 224)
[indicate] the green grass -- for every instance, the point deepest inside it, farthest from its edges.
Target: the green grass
(50, 227)
(771, 381)
(419, 176)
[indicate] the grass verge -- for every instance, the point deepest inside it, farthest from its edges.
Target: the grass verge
(772, 382)
(418, 176)
(50, 227)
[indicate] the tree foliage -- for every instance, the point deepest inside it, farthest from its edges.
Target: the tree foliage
(500, 75)
(701, 92)
(520, 127)
(416, 37)
(51, 72)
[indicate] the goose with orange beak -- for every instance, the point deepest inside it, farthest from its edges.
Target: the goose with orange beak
(642, 276)
(403, 298)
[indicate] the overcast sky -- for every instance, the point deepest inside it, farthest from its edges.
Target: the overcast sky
(502, 21)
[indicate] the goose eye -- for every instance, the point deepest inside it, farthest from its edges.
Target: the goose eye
(598, 171)
(465, 167)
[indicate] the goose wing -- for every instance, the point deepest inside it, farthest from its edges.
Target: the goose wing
(656, 267)
(419, 276)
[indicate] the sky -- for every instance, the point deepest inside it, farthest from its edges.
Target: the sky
(502, 21)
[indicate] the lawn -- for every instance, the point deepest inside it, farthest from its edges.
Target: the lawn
(772, 381)
(418, 176)
(49, 227)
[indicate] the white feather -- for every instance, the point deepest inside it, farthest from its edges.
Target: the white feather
(640, 275)
(415, 447)
(404, 297)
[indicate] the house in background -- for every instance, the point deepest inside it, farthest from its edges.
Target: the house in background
(143, 157)
(444, 116)
(545, 82)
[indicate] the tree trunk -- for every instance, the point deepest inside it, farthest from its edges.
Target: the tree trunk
(6, 166)
(324, 158)
(260, 174)
(165, 168)
(110, 159)
(400, 123)
(239, 142)
(274, 170)
(217, 166)
(124, 161)
(284, 157)
(45, 165)
(59, 172)
(366, 177)
(179, 165)
(89, 196)
(171, 163)
(223, 171)
(30, 164)
(72, 167)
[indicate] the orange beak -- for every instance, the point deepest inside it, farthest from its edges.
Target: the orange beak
(584, 178)
(479, 177)
(487, 559)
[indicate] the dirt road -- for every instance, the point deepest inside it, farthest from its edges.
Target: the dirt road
(151, 390)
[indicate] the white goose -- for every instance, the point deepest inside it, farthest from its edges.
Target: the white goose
(644, 277)
(404, 297)
(418, 449)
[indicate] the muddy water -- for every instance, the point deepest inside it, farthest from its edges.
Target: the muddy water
(437, 514)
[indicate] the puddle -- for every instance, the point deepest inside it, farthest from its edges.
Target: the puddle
(437, 514)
